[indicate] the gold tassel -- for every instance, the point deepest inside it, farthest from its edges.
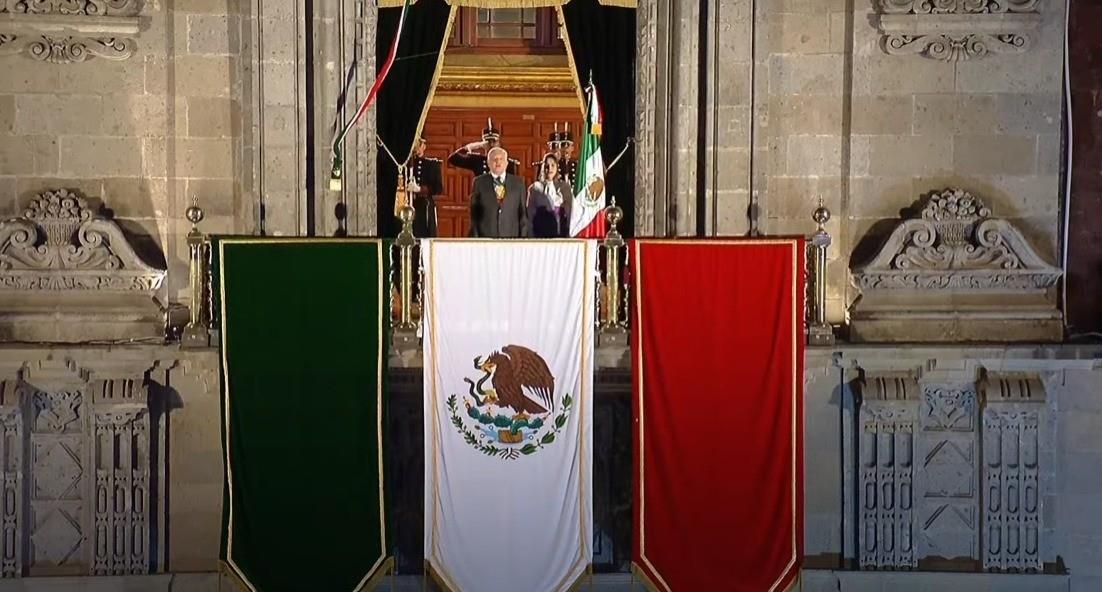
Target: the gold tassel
(401, 197)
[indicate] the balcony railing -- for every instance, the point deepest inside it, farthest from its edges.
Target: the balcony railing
(406, 279)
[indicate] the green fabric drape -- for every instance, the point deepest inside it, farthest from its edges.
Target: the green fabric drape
(602, 40)
(303, 325)
(402, 99)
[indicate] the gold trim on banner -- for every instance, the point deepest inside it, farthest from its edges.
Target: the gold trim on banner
(573, 67)
(619, 3)
(437, 574)
(638, 573)
(435, 81)
(384, 562)
(796, 244)
(394, 3)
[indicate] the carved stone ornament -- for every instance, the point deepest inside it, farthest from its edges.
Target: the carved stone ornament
(69, 31)
(956, 30)
(955, 265)
(67, 275)
(59, 245)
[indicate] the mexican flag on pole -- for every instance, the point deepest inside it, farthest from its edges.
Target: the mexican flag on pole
(586, 216)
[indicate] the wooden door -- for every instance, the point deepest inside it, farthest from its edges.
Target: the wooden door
(523, 133)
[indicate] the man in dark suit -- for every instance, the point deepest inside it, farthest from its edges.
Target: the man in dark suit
(425, 183)
(497, 200)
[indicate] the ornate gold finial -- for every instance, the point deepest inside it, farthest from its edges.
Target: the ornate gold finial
(821, 215)
(194, 215)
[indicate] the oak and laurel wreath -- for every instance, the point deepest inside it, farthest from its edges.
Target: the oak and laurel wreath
(489, 449)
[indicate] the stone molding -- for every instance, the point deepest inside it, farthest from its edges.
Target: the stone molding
(956, 30)
(58, 244)
(925, 492)
(69, 31)
(956, 244)
(955, 273)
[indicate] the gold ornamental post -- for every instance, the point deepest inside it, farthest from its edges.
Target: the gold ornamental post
(613, 243)
(819, 332)
(197, 331)
(405, 244)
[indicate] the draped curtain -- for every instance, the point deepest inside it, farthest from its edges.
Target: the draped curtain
(402, 98)
(602, 41)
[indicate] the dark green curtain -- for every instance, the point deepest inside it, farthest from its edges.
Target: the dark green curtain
(304, 330)
(402, 97)
(602, 39)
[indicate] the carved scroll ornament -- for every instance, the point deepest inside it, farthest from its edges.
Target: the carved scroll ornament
(59, 245)
(69, 31)
(956, 244)
(957, 30)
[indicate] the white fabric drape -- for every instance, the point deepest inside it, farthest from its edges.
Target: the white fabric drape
(509, 515)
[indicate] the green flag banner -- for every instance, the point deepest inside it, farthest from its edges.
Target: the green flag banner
(303, 343)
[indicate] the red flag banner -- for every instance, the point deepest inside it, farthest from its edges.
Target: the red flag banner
(718, 405)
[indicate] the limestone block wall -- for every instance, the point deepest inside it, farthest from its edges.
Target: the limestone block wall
(871, 132)
(150, 134)
(836, 116)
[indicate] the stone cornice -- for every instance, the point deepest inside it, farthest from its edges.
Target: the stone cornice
(69, 31)
(956, 30)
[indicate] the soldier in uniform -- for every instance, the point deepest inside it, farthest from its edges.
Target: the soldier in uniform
(467, 157)
(568, 165)
(425, 182)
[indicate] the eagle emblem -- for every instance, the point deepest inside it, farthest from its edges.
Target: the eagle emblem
(593, 190)
(517, 413)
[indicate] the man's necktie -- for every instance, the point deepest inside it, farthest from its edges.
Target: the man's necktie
(499, 189)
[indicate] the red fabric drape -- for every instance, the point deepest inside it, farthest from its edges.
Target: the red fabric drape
(717, 340)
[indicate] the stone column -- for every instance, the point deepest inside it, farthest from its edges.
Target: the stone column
(344, 38)
(275, 53)
(886, 471)
(1013, 415)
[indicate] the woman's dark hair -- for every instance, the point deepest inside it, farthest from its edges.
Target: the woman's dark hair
(543, 163)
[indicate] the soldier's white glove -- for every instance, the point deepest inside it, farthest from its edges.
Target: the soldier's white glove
(413, 187)
(474, 146)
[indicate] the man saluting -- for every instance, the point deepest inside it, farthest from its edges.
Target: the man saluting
(468, 157)
(497, 200)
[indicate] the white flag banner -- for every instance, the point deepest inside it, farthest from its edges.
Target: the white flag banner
(508, 352)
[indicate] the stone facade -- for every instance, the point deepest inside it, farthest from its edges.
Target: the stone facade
(917, 456)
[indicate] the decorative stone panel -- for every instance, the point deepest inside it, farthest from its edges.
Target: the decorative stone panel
(1013, 413)
(948, 492)
(69, 31)
(886, 450)
(956, 30)
(69, 275)
(91, 471)
(955, 273)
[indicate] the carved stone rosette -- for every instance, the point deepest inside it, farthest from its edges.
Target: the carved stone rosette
(956, 30)
(1014, 412)
(954, 273)
(886, 449)
(69, 31)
